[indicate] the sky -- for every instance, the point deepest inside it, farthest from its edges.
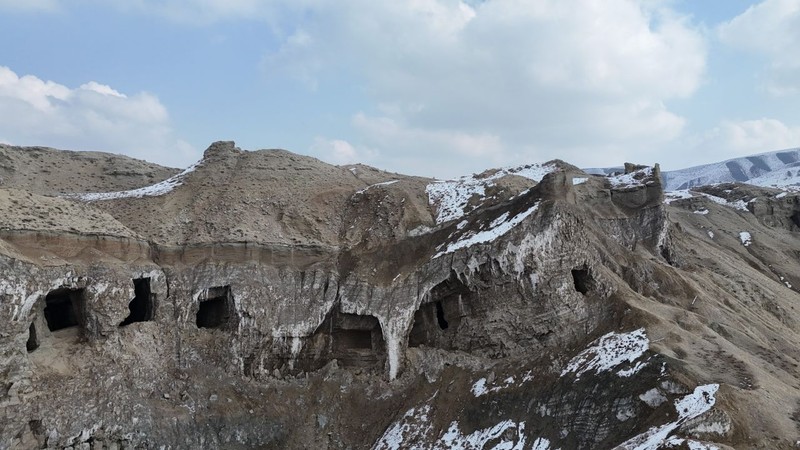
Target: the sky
(424, 87)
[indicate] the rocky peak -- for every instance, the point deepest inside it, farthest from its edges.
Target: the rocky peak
(221, 149)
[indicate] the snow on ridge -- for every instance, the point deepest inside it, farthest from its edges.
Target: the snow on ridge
(454, 438)
(672, 196)
(636, 178)
(414, 430)
(414, 425)
(683, 194)
(497, 228)
(692, 444)
(481, 387)
(690, 406)
(741, 205)
(609, 351)
(452, 196)
(155, 190)
(385, 183)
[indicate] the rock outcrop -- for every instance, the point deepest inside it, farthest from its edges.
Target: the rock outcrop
(269, 300)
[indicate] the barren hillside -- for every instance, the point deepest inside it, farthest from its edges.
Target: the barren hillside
(269, 300)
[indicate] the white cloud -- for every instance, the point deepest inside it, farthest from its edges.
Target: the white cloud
(731, 139)
(462, 85)
(29, 5)
(338, 151)
(509, 80)
(199, 11)
(91, 117)
(772, 29)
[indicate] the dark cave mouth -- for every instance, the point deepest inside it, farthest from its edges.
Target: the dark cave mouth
(582, 280)
(141, 306)
(215, 310)
(33, 339)
(64, 308)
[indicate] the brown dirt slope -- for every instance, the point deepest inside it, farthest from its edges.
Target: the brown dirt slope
(27, 211)
(265, 197)
(49, 171)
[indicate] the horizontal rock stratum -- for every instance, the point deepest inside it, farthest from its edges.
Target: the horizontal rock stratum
(263, 299)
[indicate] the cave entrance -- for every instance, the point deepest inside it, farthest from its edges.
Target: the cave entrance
(216, 307)
(795, 217)
(33, 339)
(141, 307)
(582, 280)
(355, 340)
(64, 308)
(436, 322)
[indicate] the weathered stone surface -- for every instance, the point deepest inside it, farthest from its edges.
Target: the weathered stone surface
(274, 301)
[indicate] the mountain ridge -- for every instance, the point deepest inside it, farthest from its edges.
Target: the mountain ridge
(266, 299)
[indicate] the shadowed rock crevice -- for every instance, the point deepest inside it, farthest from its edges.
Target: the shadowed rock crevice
(142, 306)
(33, 339)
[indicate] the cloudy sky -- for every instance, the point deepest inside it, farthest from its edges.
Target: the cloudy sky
(427, 87)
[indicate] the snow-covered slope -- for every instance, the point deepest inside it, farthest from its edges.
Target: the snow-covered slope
(451, 197)
(773, 169)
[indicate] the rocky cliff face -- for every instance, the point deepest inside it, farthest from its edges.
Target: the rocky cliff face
(269, 300)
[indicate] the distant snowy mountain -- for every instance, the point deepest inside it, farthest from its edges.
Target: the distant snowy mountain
(772, 169)
(779, 169)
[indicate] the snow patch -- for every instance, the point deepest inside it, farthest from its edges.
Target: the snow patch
(653, 398)
(702, 212)
(541, 444)
(481, 387)
(415, 424)
(454, 438)
(740, 205)
(154, 190)
(633, 370)
(672, 196)
(692, 444)
(746, 238)
(385, 183)
(497, 228)
(579, 180)
(609, 351)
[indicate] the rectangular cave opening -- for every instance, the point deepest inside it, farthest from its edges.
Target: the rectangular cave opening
(352, 339)
(141, 307)
(64, 308)
(215, 307)
(356, 340)
(582, 280)
(33, 339)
